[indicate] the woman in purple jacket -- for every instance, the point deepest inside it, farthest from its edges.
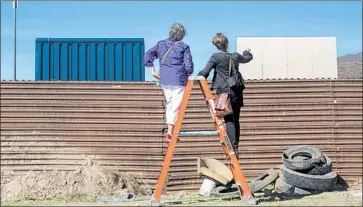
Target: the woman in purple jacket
(176, 65)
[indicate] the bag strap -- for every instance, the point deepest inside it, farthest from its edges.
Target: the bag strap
(162, 61)
(230, 66)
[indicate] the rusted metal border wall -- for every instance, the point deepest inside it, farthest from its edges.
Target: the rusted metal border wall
(54, 125)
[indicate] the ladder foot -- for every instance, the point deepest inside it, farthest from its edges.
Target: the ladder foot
(250, 200)
(155, 202)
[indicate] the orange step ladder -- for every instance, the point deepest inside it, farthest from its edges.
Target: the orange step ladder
(239, 178)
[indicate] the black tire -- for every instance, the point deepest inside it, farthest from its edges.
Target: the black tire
(313, 182)
(257, 184)
(322, 168)
(263, 180)
(222, 191)
(301, 157)
(282, 188)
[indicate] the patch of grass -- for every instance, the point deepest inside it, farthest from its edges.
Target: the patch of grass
(71, 198)
(324, 199)
(31, 203)
(76, 197)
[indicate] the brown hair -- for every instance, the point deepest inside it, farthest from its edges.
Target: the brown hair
(220, 41)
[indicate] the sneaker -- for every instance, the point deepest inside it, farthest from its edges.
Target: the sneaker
(168, 138)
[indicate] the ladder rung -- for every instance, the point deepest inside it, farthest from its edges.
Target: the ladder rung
(198, 133)
(196, 78)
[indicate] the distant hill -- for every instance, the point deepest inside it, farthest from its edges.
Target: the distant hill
(350, 66)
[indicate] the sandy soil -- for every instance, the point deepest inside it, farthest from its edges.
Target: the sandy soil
(85, 187)
(90, 179)
(347, 198)
(350, 197)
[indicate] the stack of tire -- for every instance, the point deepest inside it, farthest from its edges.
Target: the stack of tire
(305, 171)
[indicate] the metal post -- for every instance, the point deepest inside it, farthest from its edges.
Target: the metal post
(15, 6)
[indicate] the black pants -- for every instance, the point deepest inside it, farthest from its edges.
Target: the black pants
(232, 122)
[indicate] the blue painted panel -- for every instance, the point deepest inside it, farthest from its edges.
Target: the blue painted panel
(45, 61)
(90, 40)
(64, 62)
(38, 59)
(142, 68)
(74, 62)
(56, 62)
(118, 62)
(111, 61)
(100, 62)
(128, 61)
(93, 69)
(136, 62)
(90, 59)
(69, 63)
(82, 62)
(51, 57)
(124, 62)
(105, 58)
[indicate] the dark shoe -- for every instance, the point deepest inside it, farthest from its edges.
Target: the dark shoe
(236, 151)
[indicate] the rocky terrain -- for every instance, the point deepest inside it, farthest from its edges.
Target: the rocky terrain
(350, 66)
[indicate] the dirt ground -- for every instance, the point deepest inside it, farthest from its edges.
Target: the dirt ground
(90, 179)
(352, 197)
(94, 185)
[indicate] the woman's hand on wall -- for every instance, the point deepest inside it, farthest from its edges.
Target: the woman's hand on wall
(245, 57)
(154, 73)
(246, 52)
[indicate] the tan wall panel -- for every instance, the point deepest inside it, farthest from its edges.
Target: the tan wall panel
(323, 51)
(253, 69)
(301, 57)
(274, 55)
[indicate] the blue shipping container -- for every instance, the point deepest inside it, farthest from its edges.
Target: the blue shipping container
(89, 59)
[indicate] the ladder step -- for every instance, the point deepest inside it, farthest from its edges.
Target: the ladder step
(198, 133)
(196, 78)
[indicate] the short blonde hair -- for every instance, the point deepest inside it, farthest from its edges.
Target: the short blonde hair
(220, 41)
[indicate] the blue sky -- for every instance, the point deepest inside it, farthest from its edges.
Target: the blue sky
(151, 20)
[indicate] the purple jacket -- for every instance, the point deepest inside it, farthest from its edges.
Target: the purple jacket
(178, 63)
